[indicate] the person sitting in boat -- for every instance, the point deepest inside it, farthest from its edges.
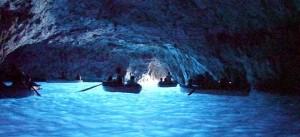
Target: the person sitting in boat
(18, 77)
(168, 78)
(131, 81)
(21, 80)
(160, 81)
(32, 84)
(110, 78)
(120, 77)
(190, 82)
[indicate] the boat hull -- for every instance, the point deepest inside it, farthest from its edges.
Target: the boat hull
(112, 87)
(224, 92)
(165, 85)
(11, 92)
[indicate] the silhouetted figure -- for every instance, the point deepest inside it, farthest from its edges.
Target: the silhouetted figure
(109, 79)
(31, 84)
(160, 80)
(118, 70)
(204, 81)
(131, 81)
(78, 77)
(168, 78)
(120, 76)
(18, 77)
(119, 79)
(190, 82)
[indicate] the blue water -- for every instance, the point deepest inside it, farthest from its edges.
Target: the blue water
(155, 112)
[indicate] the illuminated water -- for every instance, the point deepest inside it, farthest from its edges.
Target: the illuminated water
(63, 112)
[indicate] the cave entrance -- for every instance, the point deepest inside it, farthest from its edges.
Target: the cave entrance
(155, 70)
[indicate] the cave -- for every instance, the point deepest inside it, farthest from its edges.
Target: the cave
(188, 38)
(241, 41)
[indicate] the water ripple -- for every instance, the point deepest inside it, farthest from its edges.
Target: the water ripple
(62, 111)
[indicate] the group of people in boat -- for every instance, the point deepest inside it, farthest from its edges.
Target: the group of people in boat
(203, 81)
(120, 77)
(19, 79)
(168, 81)
(206, 81)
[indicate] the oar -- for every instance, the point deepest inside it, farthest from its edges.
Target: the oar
(90, 88)
(36, 92)
(192, 91)
(31, 87)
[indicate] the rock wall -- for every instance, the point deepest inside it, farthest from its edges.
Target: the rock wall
(259, 38)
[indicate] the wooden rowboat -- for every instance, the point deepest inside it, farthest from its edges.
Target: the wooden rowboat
(15, 92)
(167, 84)
(113, 87)
(225, 92)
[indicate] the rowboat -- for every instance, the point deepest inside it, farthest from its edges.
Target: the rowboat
(125, 88)
(15, 92)
(167, 84)
(225, 92)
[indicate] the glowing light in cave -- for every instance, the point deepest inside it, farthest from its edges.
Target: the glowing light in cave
(147, 80)
(156, 70)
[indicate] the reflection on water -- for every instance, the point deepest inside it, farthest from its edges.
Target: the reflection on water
(61, 111)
